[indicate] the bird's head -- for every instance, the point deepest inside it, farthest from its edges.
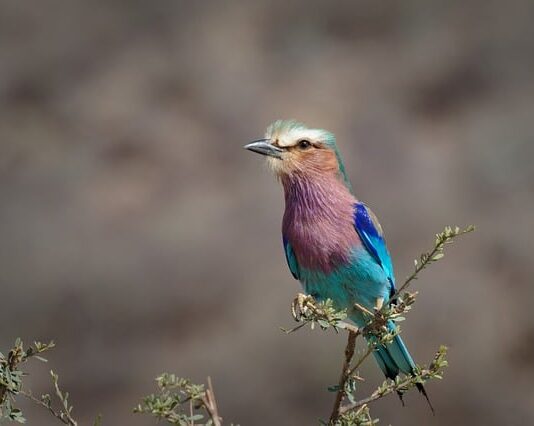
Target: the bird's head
(293, 149)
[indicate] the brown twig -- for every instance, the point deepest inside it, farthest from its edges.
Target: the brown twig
(211, 404)
(377, 395)
(59, 415)
(345, 372)
(191, 411)
(369, 351)
(349, 327)
(358, 404)
(430, 257)
(418, 268)
(63, 399)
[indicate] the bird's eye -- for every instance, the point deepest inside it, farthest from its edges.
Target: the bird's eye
(304, 144)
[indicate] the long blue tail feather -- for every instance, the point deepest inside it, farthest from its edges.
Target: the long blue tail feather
(394, 359)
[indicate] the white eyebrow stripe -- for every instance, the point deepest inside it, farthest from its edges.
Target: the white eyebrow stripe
(292, 137)
(286, 142)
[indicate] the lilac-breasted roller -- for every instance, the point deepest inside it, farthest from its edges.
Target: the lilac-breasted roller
(334, 244)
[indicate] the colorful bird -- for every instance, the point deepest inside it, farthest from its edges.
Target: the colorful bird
(334, 244)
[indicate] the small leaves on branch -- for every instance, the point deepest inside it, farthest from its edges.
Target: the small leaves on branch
(11, 376)
(404, 383)
(357, 417)
(181, 402)
(11, 385)
(64, 412)
(447, 236)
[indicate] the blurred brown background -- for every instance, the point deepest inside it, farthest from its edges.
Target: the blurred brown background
(139, 235)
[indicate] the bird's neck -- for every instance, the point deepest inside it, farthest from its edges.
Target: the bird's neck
(315, 197)
(318, 219)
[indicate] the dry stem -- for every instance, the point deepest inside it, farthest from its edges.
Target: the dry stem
(345, 372)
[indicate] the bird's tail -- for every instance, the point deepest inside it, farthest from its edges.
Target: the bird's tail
(394, 359)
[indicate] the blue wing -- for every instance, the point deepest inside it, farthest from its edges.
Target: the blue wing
(291, 259)
(370, 232)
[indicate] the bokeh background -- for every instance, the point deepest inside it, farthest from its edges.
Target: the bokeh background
(139, 235)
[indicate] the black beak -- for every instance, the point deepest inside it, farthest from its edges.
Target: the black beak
(264, 147)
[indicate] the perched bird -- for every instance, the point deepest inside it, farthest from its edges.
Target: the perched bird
(334, 244)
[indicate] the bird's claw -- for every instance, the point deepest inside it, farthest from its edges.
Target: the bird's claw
(300, 307)
(379, 303)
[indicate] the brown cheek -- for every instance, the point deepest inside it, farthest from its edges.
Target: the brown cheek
(320, 159)
(291, 162)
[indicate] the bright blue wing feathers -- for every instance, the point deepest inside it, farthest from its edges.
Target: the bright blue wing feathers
(291, 259)
(370, 232)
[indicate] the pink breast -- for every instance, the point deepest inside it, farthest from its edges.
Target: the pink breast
(319, 226)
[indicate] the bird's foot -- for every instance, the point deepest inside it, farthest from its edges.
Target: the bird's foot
(300, 306)
(379, 303)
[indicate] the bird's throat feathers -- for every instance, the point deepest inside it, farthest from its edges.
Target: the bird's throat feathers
(318, 220)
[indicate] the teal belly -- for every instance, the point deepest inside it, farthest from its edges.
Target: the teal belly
(360, 281)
